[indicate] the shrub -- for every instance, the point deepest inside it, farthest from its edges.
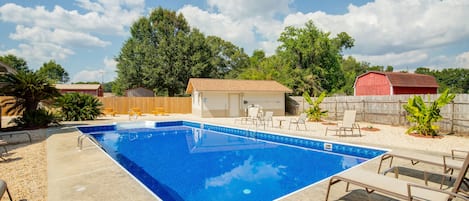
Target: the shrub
(314, 112)
(79, 107)
(424, 115)
(39, 118)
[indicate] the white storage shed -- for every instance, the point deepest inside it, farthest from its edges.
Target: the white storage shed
(231, 98)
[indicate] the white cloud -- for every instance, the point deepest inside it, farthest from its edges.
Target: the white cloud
(462, 60)
(53, 34)
(38, 52)
(394, 59)
(110, 64)
(239, 32)
(57, 36)
(111, 18)
(106, 74)
(88, 76)
(399, 26)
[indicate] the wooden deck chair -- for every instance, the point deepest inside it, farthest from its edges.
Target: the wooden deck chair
(348, 124)
(402, 189)
(3, 188)
(300, 120)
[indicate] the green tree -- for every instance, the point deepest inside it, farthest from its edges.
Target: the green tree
(19, 64)
(310, 48)
(454, 79)
(228, 60)
(257, 57)
(423, 70)
(27, 89)
(163, 52)
(54, 71)
(352, 68)
(424, 115)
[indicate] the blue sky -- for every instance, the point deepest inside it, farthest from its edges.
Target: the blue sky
(85, 35)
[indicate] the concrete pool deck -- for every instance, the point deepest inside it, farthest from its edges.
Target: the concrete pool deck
(91, 175)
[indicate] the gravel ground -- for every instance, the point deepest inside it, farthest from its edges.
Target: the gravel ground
(25, 171)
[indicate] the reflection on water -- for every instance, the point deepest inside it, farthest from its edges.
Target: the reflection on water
(200, 141)
(248, 171)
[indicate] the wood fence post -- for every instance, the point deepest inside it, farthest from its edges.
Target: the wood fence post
(364, 111)
(452, 118)
(335, 110)
(399, 112)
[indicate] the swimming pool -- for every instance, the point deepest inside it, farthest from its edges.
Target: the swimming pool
(183, 160)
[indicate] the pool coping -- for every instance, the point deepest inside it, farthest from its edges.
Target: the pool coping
(149, 123)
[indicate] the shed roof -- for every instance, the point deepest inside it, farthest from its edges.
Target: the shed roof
(78, 86)
(399, 79)
(205, 84)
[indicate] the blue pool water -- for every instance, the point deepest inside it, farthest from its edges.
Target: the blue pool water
(183, 161)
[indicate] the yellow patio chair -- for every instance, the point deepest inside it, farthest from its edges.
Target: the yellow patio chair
(135, 111)
(109, 111)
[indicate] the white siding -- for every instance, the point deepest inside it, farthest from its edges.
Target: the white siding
(268, 101)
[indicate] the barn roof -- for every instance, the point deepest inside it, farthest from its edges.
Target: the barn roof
(398, 79)
(77, 86)
(205, 84)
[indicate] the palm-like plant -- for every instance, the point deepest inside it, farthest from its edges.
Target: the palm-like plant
(79, 107)
(314, 111)
(27, 90)
(424, 115)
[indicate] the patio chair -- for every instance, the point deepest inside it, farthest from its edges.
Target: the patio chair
(135, 111)
(399, 188)
(252, 116)
(264, 120)
(300, 120)
(3, 188)
(109, 111)
(347, 124)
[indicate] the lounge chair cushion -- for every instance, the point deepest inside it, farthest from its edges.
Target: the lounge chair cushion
(387, 185)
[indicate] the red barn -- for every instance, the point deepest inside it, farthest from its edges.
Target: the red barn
(393, 83)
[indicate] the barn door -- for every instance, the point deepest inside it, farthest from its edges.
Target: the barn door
(233, 110)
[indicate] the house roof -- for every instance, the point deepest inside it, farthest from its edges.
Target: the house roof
(398, 79)
(204, 84)
(77, 86)
(7, 68)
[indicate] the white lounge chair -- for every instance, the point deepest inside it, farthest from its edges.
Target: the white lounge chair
(399, 188)
(347, 124)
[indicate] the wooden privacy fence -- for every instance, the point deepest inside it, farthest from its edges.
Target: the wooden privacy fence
(389, 110)
(122, 105)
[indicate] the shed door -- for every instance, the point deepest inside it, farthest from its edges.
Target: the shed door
(233, 105)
